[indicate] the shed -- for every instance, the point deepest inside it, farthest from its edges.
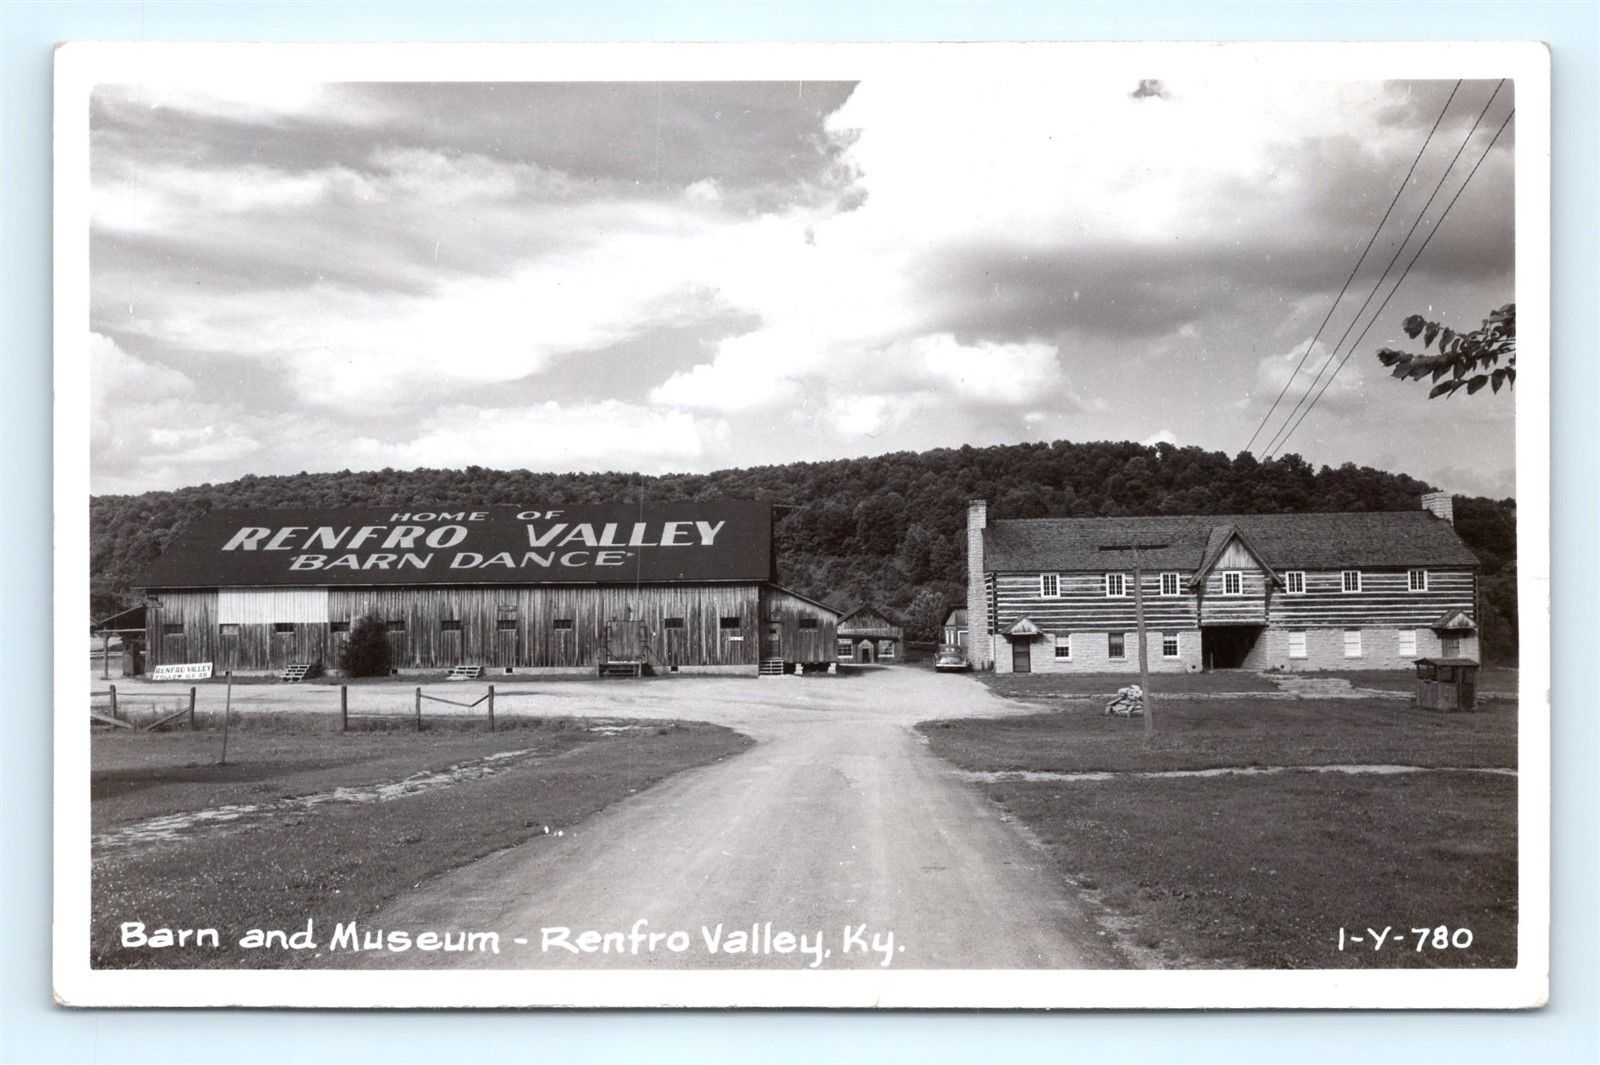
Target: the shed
(867, 634)
(955, 629)
(1447, 684)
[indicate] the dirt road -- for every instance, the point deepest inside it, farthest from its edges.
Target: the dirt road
(839, 818)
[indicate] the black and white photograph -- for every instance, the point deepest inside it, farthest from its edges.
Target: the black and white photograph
(979, 526)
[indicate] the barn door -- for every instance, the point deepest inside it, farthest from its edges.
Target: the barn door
(450, 647)
(1021, 657)
(174, 647)
(282, 646)
(772, 640)
(625, 639)
(505, 642)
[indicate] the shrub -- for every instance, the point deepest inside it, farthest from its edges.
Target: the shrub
(366, 652)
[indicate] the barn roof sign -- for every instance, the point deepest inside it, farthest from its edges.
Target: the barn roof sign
(595, 544)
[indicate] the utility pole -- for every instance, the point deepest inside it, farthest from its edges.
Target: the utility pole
(1138, 620)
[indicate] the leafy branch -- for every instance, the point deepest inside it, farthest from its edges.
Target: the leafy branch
(1487, 356)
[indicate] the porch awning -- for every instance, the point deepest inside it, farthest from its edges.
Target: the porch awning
(129, 620)
(1453, 621)
(1024, 629)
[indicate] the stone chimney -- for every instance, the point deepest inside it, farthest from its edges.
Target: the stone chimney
(979, 653)
(1440, 505)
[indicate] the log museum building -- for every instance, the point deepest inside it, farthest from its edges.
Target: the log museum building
(633, 588)
(1261, 591)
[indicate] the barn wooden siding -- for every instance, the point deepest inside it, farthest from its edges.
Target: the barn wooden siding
(1384, 601)
(786, 610)
(492, 626)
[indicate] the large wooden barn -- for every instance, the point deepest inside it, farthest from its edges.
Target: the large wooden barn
(1251, 591)
(661, 587)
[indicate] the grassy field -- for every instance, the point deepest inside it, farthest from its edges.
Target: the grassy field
(283, 859)
(1263, 871)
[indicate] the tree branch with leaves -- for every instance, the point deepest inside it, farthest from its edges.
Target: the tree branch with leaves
(1487, 356)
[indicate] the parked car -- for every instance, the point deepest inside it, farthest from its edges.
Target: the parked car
(950, 659)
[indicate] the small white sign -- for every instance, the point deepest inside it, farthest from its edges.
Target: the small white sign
(183, 671)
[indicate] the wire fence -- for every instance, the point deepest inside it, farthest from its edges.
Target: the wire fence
(139, 711)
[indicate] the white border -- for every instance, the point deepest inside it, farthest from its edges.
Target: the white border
(80, 66)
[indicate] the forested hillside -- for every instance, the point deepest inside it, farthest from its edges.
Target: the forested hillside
(887, 530)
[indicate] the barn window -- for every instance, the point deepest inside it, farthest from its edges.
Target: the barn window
(1352, 643)
(846, 649)
(1116, 585)
(1116, 645)
(1297, 645)
(562, 624)
(449, 625)
(1417, 580)
(1169, 584)
(672, 623)
(338, 626)
(1064, 647)
(395, 625)
(1408, 643)
(1352, 580)
(885, 648)
(726, 624)
(808, 623)
(283, 626)
(1169, 645)
(506, 624)
(1294, 582)
(230, 628)
(1233, 583)
(1049, 586)
(172, 628)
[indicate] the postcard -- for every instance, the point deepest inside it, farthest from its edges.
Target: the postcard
(977, 525)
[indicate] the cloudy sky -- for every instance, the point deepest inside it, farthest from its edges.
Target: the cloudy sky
(665, 277)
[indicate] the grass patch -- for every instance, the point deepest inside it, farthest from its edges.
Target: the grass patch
(1262, 873)
(1498, 680)
(341, 862)
(1045, 685)
(1205, 734)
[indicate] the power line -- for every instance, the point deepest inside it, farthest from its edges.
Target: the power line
(1444, 177)
(1379, 313)
(1356, 268)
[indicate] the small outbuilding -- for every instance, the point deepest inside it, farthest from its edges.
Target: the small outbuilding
(867, 634)
(1447, 684)
(955, 630)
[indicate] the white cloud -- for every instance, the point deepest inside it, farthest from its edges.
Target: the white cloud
(412, 282)
(145, 416)
(609, 435)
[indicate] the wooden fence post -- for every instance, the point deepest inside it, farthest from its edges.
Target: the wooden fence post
(419, 709)
(227, 714)
(192, 725)
(344, 708)
(114, 703)
(491, 708)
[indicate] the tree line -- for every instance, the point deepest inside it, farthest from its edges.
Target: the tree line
(887, 530)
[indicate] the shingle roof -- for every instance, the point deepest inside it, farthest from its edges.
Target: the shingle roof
(1285, 541)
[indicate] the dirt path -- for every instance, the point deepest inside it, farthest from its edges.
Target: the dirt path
(839, 817)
